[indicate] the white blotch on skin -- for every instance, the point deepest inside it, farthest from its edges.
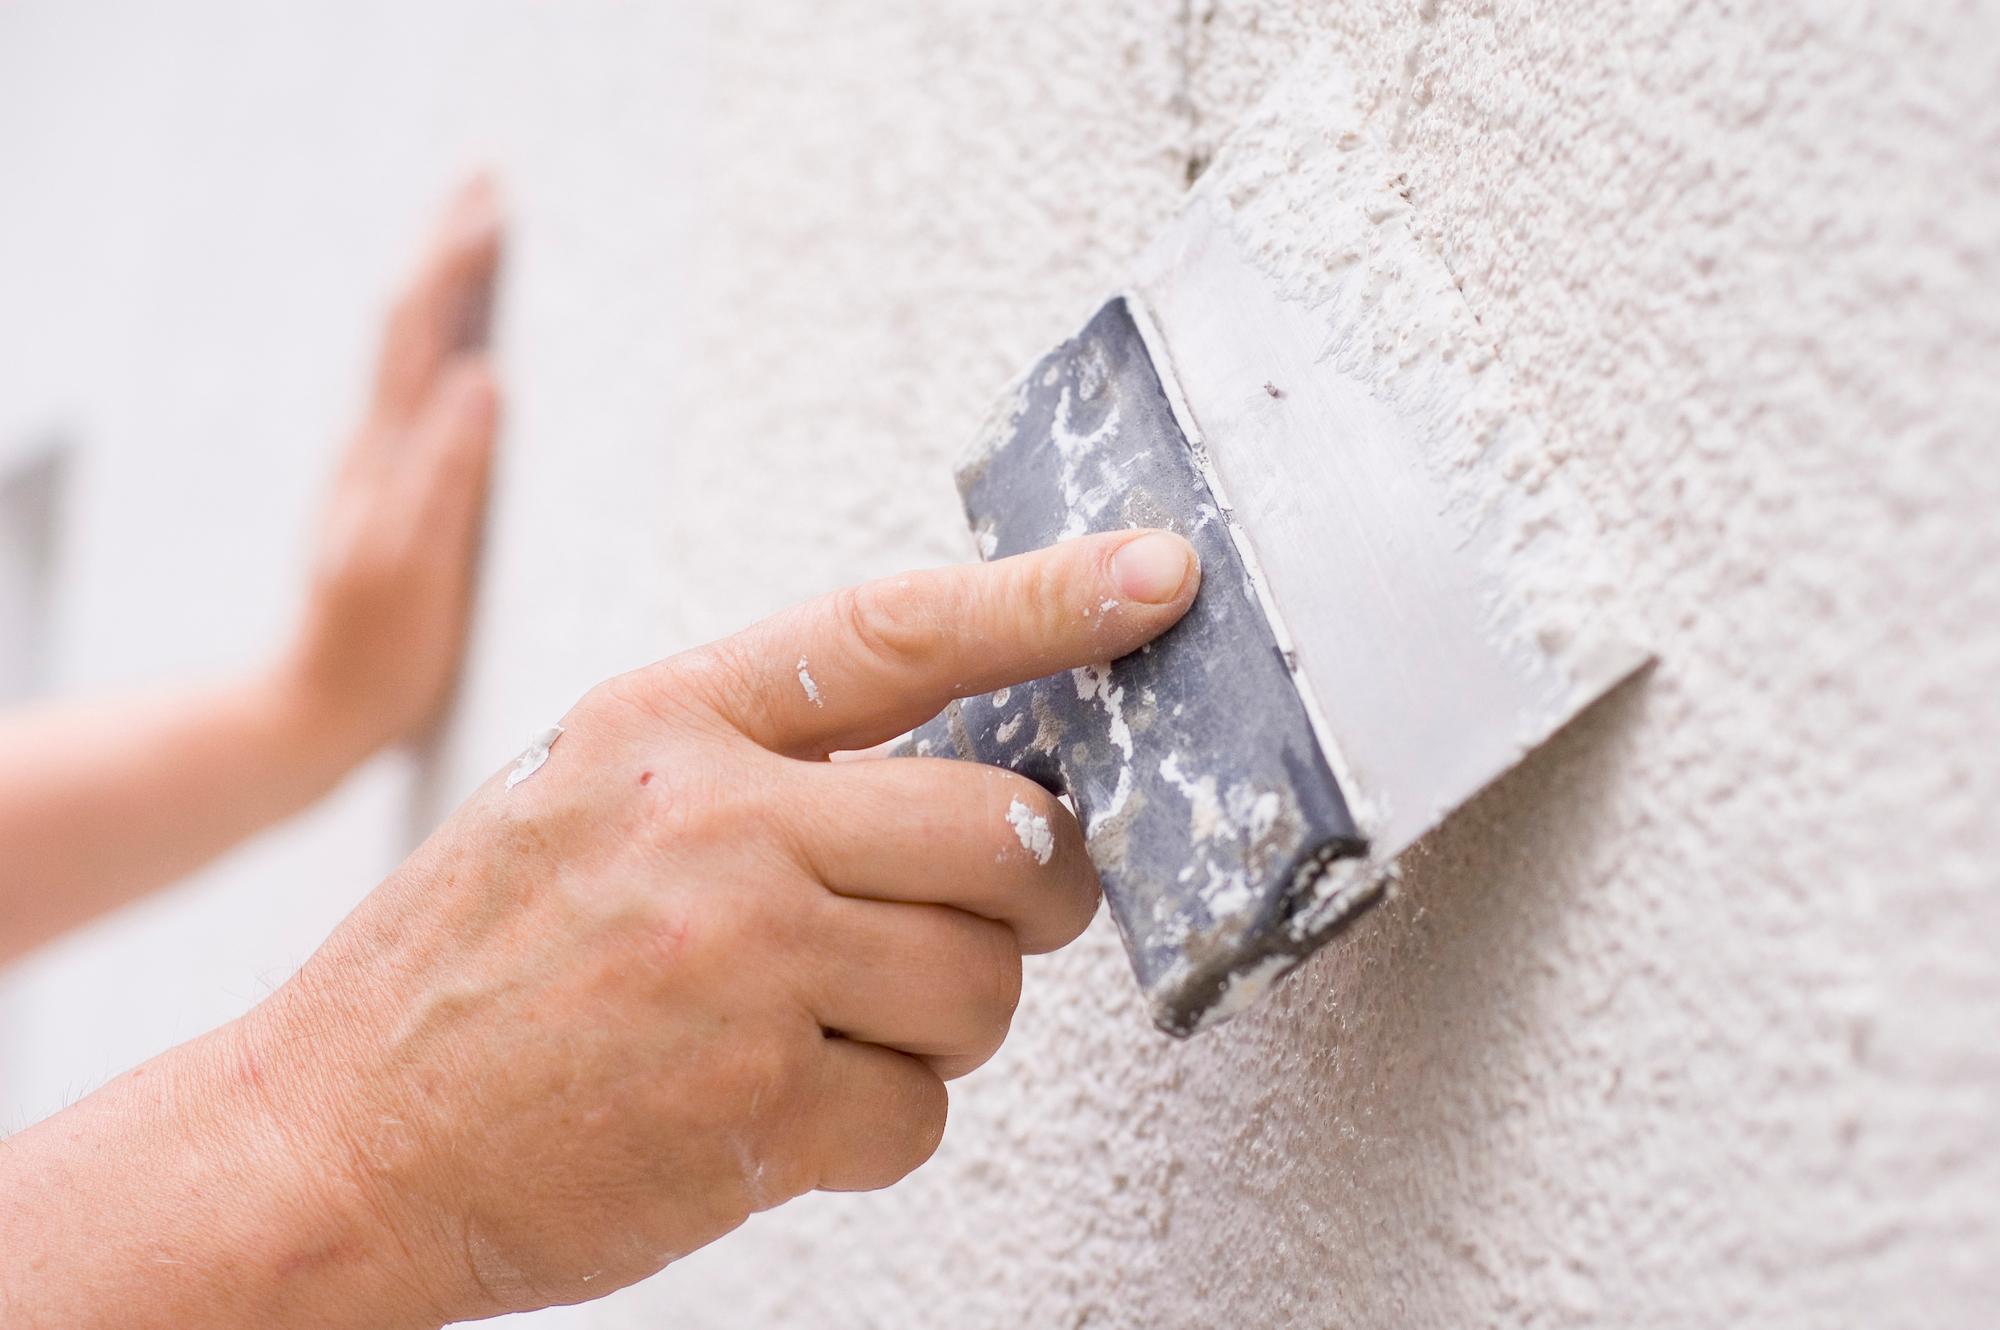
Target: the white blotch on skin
(1032, 830)
(806, 682)
(537, 753)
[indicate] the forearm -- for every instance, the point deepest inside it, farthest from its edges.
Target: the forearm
(100, 802)
(185, 1193)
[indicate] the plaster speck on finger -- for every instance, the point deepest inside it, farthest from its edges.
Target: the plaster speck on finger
(537, 753)
(806, 682)
(1032, 830)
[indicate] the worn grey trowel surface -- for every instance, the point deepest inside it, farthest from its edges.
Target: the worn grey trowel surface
(1399, 599)
(1206, 800)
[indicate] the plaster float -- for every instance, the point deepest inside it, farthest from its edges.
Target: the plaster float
(1398, 597)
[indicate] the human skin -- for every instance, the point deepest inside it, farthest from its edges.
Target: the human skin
(103, 800)
(686, 970)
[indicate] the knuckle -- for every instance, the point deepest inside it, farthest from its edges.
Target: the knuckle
(613, 699)
(1037, 598)
(732, 808)
(650, 695)
(1044, 585)
(715, 665)
(715, 678)
(752, 926)
(888, 620)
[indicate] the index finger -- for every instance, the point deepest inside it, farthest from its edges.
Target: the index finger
(867, 663)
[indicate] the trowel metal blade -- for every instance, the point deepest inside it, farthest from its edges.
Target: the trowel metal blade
(1433, 573)
(1389, 616)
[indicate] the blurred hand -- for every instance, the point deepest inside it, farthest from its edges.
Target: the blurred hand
(102, 800)
(687, 968)
(385, 620)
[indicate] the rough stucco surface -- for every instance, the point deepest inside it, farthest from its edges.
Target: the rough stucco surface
(1687, 1022)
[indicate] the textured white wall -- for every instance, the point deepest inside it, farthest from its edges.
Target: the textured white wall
(1688, 1022)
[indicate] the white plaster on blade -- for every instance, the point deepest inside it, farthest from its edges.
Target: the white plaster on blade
(1082, 501)
(1227, 893)
(1240, 991)
(1204, 804)
(1093, 683)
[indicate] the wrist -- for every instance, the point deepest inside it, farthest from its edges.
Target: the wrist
(179, 1194)
(309, 1062)
(336, 1238)
(328, 733)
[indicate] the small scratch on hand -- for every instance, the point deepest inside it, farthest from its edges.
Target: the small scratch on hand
(806, 682)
